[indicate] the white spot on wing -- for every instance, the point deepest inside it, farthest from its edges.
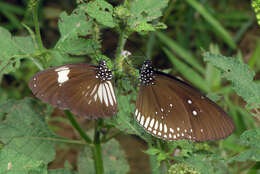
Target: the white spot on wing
(152, 122)
(189, 101)
(160, 126)
(171, 130)
(100, 95)
(112, 90)
(165, 128)
(109, 94)
(138, 117)
(136, 111)
(159, 133)
(105, 94)
(194, 113)
(156, 125)
(62, 74)
(178, 129)
(93, 91)
(95, 97)
(142, 120)
(147, 122)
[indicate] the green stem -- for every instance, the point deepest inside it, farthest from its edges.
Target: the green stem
(77, 127)
(121, 44)
(36, 24)
(97, 150)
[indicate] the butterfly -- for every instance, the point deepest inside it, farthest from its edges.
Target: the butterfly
(85, 90)
(170, 109)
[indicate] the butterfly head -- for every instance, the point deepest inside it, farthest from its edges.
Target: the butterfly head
(103, 73)
(147, 73)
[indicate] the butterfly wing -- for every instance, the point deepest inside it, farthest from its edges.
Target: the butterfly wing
(46, 85)
(90, 97)
(74, 87)
(171, 109)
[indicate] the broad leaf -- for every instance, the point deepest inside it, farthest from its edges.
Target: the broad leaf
(240, 75)
(24, 135)
(12, 50)
(75, 30)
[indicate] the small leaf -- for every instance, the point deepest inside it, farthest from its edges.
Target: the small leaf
(100, 10)
(143, 13)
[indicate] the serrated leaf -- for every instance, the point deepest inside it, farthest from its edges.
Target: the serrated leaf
(23, 133)
(73, 29)
(100, 10)
(240, 75)
(143, 12)
(12, 50)
(113, 159)
(249, 138)
(207, 164)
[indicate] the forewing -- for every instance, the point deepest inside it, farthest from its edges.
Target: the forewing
(46, 85)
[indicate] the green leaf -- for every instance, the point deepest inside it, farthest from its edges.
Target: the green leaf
(12, 50)
(72, 27)
(207, 164)
(61, 171)
(113, 158)
(24, 134)
(249, 138)
(143, 13)
(240, 75)
(100, 10)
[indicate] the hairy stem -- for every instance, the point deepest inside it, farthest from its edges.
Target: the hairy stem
(97, 150)
(75, 124)
(120, 47)
(36, 24)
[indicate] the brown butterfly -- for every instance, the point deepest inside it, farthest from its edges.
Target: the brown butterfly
(170, 109)
(86, 90)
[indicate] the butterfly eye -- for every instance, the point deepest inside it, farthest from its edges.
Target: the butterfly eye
(84, 89)
(170, 109)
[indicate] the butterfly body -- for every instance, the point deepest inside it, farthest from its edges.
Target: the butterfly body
(84, 89)
(171, 109)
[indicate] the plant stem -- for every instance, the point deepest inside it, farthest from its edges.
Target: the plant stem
(121, 44)
(36, 24)
(77, 127)
(97, 150)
